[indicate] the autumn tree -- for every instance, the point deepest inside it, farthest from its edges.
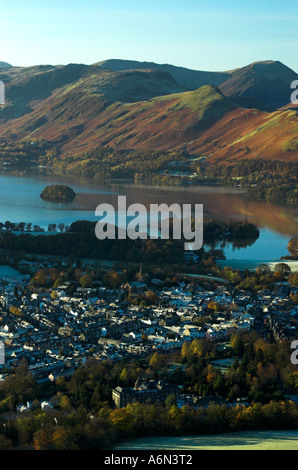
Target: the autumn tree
(62, 439)
(42, 439)
(293, 247)
(282, 268)
(237, 345)
(156, 361)
(124, 376)
(86, 280)
(293, 279)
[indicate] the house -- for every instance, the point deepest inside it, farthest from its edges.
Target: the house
(136, 287)
(156, 282)
(193, 331)
(151, 391)
(46, 405)
(213, 334)
(248, 318)
(21, 408)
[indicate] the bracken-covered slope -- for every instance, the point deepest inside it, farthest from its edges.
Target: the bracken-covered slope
(81, 107)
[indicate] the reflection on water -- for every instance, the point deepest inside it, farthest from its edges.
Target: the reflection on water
(218, 203)
(20, 202)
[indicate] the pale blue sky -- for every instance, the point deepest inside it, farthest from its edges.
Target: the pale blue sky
(198, 34)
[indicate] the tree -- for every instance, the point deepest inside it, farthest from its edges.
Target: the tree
(58, 193)
(237, 345)
(86, 280)
(219, 384)
(156, 361)
(15, 311)
(59, 281)
(62, 439)
(197, 348)
(42, 439)
(211, 374)
(96, 398)
(54, 294)
(52, 227)
(5, 444)
(8, 225)
(282, 268)
(21, 226)
(293, 279)
(170, 401)
(214, 306)
(293, 247)
(263, 269)
(121, 420)
(185, 350)
(64, 403)
(151, 297)
(124, 376)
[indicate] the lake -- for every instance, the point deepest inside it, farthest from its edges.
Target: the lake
(20, 202)
(246, 440)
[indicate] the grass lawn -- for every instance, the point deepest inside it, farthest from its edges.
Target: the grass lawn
(248, 440)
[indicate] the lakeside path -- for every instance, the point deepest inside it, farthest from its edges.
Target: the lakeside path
(246, 440)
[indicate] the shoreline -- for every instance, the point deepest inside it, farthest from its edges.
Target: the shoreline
(252, 265)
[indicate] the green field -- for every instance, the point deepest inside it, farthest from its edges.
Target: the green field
(248, 440)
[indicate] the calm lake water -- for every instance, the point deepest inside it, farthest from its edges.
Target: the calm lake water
(20, 202)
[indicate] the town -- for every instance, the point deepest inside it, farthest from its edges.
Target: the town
(55, 330)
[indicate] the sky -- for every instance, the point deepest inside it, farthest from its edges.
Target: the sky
(213, 35)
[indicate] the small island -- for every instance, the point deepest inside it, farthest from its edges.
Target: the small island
(58, 193)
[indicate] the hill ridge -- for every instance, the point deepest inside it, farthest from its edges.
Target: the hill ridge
(80, 107)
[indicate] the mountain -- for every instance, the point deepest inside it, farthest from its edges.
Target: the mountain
(25, 88)
(190, 79)
(263, 85)
(80, 107)
(4, 65)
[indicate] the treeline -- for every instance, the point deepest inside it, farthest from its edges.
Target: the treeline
(109, 163)
(271, 180)
(261, 371)
(285, 193)
(253, 170)
(77, 430)
(86, 245)
(80, 241)
(293, 248)
(262, 278)
(26, 153)
(274, 181)
(238, 232)
(98, 164)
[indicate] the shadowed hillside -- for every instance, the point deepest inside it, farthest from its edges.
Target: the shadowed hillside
(263, 85)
